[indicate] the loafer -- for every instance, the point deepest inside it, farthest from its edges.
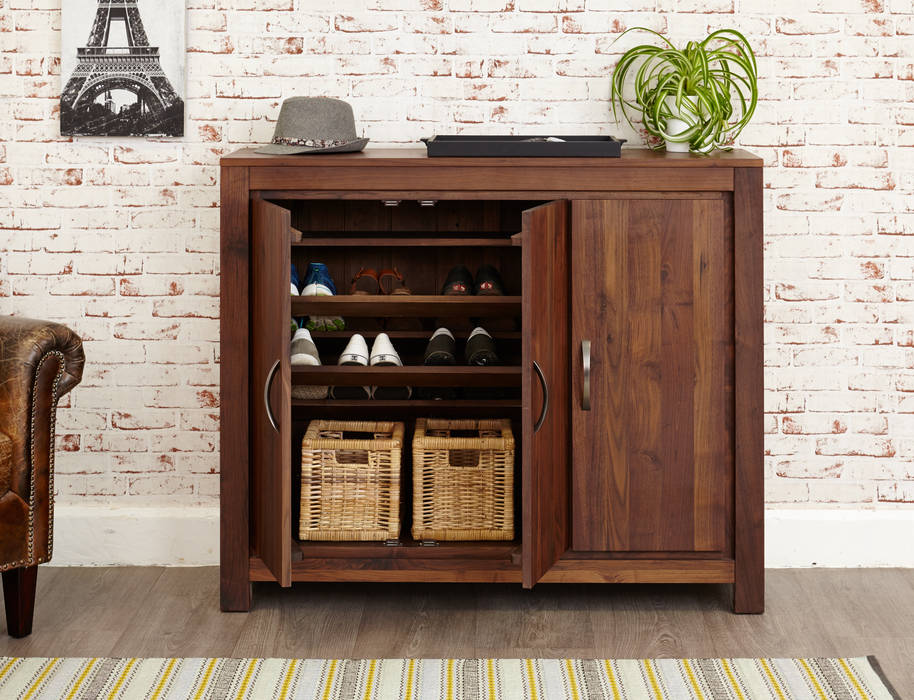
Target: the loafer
(488, 282)
(441, 349)
(355, 354)
(303, 353)
(459, 282)
(480, 349)
(383, 354)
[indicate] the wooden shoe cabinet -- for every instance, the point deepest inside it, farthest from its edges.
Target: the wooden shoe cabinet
(631, 334)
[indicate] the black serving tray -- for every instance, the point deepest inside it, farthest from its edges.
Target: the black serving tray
(469, 146)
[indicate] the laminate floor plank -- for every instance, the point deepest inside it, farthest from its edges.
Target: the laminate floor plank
(419, 621)
(305, 621)
(517, 623)
(180, 616)
(175, 612)
(84, 611)
(654, 621)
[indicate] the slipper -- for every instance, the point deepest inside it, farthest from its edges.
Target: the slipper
(366, 283)
(488, 282)
(391, 282)
(459, 282)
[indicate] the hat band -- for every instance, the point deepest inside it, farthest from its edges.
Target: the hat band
(310, 143)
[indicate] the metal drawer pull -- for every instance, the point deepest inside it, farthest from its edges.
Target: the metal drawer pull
(266, 395)
(585, 394)
(542, 418)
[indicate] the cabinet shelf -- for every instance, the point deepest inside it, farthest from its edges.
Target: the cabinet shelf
(405, 335)
(406, 305)
(410, 549)
(418, 240)
(332, 375)
(377, 405)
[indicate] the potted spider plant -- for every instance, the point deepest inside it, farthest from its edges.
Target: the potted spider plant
(697, 98)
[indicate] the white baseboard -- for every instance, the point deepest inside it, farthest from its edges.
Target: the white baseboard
(839, 538)
(102, 536)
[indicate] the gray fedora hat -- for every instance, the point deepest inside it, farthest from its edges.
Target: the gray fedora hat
(314, 125)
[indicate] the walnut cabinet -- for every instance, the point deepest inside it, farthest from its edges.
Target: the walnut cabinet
(631, 339)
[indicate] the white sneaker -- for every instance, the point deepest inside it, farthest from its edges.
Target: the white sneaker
(303, 352)
(355, 354)
(383, 354)
(316, 290)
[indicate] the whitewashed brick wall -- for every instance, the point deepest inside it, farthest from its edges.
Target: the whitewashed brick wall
(119, 238)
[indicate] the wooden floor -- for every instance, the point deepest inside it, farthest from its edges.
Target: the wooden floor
(175, 612)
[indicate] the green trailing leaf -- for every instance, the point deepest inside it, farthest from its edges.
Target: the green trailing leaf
(712, 83)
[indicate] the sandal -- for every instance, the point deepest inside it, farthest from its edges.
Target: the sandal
(366, 283)
(391, 282)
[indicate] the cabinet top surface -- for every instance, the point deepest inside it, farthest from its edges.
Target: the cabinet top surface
(416, 157)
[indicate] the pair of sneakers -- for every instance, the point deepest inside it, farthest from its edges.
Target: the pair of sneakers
(479, 349)
(382, 354)
(318, 283)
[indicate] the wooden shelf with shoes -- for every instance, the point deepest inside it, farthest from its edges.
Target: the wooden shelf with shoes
(630, 301)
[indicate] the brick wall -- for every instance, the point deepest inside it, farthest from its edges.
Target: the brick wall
(119, 238)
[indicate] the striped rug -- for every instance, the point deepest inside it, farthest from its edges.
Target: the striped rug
(443, 679)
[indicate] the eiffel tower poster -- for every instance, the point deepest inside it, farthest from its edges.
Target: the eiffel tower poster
(123, 61)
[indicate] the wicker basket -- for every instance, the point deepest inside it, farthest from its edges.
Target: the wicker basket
(463, 486)
(350, 480)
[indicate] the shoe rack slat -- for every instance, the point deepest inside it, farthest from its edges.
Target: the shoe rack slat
(407, 305)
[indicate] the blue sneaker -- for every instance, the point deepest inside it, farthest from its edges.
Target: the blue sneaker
(295, 285)
(319, 283)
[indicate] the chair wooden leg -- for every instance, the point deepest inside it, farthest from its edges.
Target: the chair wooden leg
(19, 597)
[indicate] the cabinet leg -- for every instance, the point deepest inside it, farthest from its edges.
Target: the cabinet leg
(235, 596)
(19, 597)
(749, 592)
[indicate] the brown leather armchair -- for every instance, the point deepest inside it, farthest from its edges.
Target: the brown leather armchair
(39, 363)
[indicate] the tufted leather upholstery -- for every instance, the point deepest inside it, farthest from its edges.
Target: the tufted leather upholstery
(39, 363)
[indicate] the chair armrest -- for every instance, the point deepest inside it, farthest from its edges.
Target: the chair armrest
(39, 362)
(24, 342)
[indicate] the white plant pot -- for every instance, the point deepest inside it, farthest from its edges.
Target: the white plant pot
(684, 119)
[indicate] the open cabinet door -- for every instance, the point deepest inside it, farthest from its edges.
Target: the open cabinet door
(545, 450)
(271, 400)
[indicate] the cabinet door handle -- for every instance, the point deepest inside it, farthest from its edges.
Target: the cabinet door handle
(266, 395)
(585, 389)
(542, 377)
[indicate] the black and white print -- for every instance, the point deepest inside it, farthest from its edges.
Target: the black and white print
(123, 63)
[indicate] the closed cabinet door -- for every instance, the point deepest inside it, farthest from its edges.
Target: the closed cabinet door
(652, 375)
